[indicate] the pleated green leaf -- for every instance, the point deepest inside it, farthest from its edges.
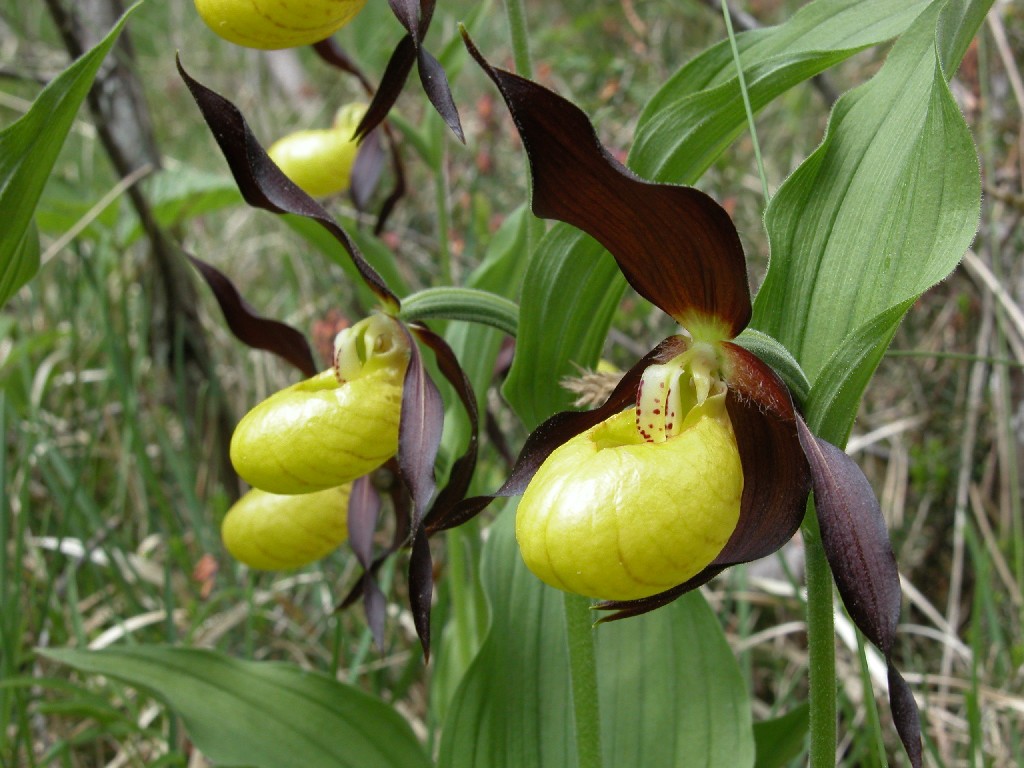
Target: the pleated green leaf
(883, 209)
(28, 150)
(261, 714)
(670, 691)
(571, 283)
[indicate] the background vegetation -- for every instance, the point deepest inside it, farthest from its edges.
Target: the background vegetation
(112, 477)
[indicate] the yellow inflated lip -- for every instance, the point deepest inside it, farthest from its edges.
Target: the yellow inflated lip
(320, 433)
(611, 516)
(271, 24)
(271, 532)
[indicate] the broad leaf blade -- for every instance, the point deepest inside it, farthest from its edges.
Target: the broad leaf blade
(261, 714)
(514, 707)
(28, 150)
(883, 210)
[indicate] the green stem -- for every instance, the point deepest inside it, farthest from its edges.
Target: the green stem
(746, 97)
(440, 154)
(470, 304)
(520, 37)
(583, 669)
(820, 647)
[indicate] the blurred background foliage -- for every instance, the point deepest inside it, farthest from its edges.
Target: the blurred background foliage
(112, 477)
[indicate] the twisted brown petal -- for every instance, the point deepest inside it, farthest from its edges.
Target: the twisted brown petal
(857, 545)
(676, 246)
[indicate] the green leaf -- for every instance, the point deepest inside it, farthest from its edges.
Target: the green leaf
(782, 738)
(698, 113)
(261, 714)
(28, 150)
(183, 193)
(571, 283)
(670, 690)
(880, 212)
(570, 292)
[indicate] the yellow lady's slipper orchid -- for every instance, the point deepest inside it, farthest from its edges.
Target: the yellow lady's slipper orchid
(272, 532)
(334, 427)
(642, 501)
(271, 24)
(320, 161)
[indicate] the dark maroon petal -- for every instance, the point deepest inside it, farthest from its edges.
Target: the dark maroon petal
(856, 543)
(262, 183)
(253, 329)
(905, 715)
(419, 433)
(435, 85)
(376, 607)
(391, 84)
(462, 470)
(558, 429)
(421, 588)
(363, 511)
(776, 478)
(366, 170)
(415, 17)
(330, 52)
(676, 246)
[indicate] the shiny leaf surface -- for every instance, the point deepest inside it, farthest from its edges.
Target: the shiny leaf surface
(261, 714)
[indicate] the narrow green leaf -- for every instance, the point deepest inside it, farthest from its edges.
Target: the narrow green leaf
(671, 692)
(782, 738)
(28, 150)
(261, 714)
(883, 209)
(698, 113)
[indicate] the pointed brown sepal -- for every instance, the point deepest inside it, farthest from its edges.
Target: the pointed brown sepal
(363, 512)
(675, 245)
(366, 170)
(419, 433)
(462, 470)
(262, 183)
(558, 429)
(415, 16)
(776, 478)
(421, 588)
(856, 543)
(253, 329)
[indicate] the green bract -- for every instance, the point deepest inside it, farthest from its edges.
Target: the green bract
(334, 427)
(613, 516)
(274, 532)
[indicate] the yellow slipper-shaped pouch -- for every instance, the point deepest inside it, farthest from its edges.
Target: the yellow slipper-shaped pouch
(613, 516)
(332, 428)
(271, 24)
(272, 532)
(320, 161)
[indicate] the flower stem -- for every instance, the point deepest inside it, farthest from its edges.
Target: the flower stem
(583, 670)
(520, 38)
(821, 648)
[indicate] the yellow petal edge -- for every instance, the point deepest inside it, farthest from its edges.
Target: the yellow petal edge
(611, 516)
(272, 24)
(272, 532)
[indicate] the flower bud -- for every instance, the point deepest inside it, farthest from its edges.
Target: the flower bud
(271, 24)
(612, 515)
(272, 532)
(320, 161)
(332, 428)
